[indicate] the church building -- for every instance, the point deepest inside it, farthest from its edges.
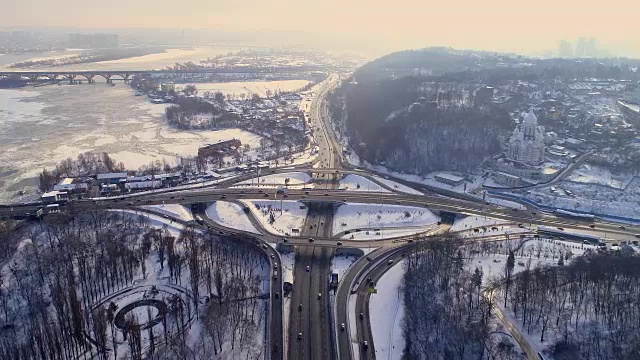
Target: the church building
(526, 145)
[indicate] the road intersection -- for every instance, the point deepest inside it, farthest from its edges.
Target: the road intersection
(314, 329)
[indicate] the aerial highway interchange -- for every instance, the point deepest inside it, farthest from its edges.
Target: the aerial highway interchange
(315, 328)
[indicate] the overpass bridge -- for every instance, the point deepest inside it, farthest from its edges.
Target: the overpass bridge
(126, 74)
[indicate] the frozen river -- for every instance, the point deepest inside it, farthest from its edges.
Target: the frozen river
(41, 126)
(146, 62)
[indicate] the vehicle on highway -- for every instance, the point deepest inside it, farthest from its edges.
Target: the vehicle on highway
(310, 239)
(275, 274)
(300, 336)
(342, 327)
(273, 256)
(390, 262)
(339, 243)
(319, 295)
(308, 268)
(365, 344)
(361, 315)
(299, 307)
(224, 196)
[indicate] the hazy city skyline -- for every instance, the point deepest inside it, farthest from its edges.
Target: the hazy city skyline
(499, 25)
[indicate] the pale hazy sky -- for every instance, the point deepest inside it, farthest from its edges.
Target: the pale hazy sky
(514, 25)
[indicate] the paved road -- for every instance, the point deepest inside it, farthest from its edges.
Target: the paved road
(310, 310)
(611, 231)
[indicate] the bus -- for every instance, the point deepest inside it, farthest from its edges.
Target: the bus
(570, 214)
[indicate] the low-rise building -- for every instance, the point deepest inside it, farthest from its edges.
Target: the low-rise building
(507, 179)
(449, 179)
(148, 184)
(72, 185)
(112, 178)
(54, 196)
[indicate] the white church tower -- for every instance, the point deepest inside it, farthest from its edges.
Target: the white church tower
(527, 142)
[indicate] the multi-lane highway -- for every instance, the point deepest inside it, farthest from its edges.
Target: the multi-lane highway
(310, 324)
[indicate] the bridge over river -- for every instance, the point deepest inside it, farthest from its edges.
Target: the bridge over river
(126, 75)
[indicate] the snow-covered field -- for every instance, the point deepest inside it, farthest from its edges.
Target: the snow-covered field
(172, 210)
(592, 174)
(359, 183)
(591, 198)
(278, 219)
(385, 313)
(397, 186)
(230, 215)
(371, 216)
(295, 178)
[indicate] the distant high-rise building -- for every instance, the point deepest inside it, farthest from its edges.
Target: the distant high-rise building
(93, 41)
(591, 49)
(580, 47)
(565, 49)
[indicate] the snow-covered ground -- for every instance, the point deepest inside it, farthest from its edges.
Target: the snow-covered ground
(590, 197)
(539, 253)
(386, 233)
(372, 216)
(173, 227)
(470, 222)
(503, 202)
(278, 217)
(502, 230)
(341, 263)
(592, 174)
(230, 215)
(352, 325)
(397, 186)
(359, 183)
(295, 178)
(172, 210)
(386, 312)
(492, 266)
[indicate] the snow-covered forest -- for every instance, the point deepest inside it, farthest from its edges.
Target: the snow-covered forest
(568, 301)
(117, 285)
